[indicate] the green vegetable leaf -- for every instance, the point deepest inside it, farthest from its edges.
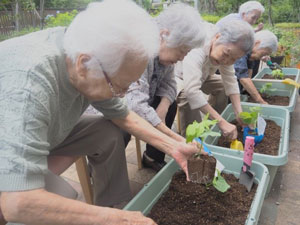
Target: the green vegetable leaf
(220, 183)
(201, 129)
(250, 118)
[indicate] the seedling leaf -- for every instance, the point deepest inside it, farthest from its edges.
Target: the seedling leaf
(220, 183)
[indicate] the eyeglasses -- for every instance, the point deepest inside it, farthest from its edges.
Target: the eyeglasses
(116, 94)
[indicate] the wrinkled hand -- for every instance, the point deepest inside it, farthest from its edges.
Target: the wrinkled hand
(183, 152)
(228, 130)
(122, 217)
(265, 58)
(264, 102)
(259, 27)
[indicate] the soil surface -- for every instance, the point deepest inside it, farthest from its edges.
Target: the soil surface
(188, 203)
(270, 143)
(273, 100)
(270, 77)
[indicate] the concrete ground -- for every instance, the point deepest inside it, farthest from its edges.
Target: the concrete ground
(281, 207)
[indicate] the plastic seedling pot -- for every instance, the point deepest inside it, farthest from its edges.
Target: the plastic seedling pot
(280, 116)
(287, 71)
(152, 191)
(281, 90)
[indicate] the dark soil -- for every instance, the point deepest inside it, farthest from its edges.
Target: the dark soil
(270, 77)
(188, 203)
(270, 143)
(273, 100)
(202, 170)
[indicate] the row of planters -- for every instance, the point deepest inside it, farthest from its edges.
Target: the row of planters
(227, 188)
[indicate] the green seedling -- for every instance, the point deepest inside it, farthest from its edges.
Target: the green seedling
(278, 74)
(267, 89)
(201, 130)
(250, 118)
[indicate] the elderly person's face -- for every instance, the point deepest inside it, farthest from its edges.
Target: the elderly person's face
(169, 56)
(98, 85)
(257, 53)
(224, 54)
(252, 17)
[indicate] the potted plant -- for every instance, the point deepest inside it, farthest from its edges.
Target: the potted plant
(266, 89)
(278, 74)
(250, 118)
(202, 168)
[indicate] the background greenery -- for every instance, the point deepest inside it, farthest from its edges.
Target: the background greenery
(281, 17)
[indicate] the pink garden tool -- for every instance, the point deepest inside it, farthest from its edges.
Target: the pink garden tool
(247, 176)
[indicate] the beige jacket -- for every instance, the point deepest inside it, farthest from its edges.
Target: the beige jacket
(197, 67)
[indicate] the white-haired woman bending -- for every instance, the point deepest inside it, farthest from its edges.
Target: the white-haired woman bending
(153, 96)
(48, 79)
(265, 43)
(250, 12)
(223, 46)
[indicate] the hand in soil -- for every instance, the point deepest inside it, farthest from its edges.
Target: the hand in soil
(182, 153)
(228, 130)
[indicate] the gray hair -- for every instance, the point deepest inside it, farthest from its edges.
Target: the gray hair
(184, 24)
(250, 6)
(267, 40)
(237, 32)
(109, 30)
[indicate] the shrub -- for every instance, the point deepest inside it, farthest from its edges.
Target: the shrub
(61, 19)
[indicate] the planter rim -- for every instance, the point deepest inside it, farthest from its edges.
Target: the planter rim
(273, 160)
(163, 178)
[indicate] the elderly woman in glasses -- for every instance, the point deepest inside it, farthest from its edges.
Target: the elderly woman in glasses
(43, 97)
(249, 12)
(223, 46)
(153, 95)
(265, 43)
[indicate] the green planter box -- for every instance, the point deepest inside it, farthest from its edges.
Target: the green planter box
(281, 90)
(152, 191)
(288, 71)
(280, 116)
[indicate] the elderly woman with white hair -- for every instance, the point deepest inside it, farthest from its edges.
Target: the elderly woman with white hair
(48, 79)
(250, 12)
(223, 46)
(265, 43)
(153, 95)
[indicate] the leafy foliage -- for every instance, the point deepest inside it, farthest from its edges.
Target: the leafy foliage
(250, 118)
(201, 130)
(220, 183)
(61, 19)
(278, 74)
(211, 18)
(266, 89)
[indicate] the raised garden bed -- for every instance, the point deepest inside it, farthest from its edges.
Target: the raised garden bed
(192, 203)
(276, 114)
(293, 73)
(270, 77)
(285, 96)
(273, 100)
(269, 144)
(151, 193)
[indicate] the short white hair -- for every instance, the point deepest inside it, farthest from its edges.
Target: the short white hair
(236, 32)
(249, 6)
(184, 24)
(110, 30)
(267, 40)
